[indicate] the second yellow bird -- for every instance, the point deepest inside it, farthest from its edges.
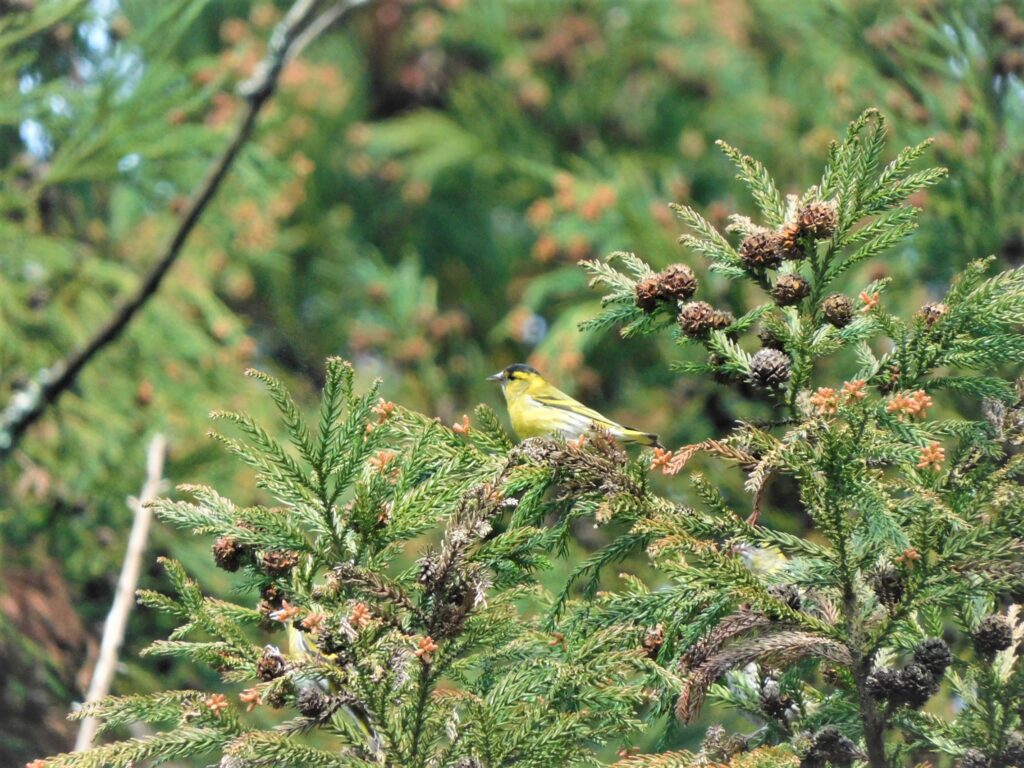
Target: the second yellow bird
(538, 409)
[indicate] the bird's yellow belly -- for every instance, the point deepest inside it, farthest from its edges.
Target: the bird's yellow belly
(530, 420)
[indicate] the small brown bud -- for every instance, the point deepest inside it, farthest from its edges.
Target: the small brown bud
(881, 684)
(722, 319)
(276, 697)
(721, 374)
(831, 747)
(677, 283)
(791, 247)
(887, 584)
(890, 378)
(915, 684)
(788, 594)
(1006, 24)
(994, 634)
(974, 758)
(272, 595)
(311, 702)
(673, 284)
(768, 339)
(933, 654)
(144, 392)
(932, 313)
(1010, 62)
(831, 675)
(1013, 751)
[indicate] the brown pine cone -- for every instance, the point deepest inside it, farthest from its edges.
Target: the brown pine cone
(838, 310)
(933, 654)
(722, 319)
(677, 282)
(653, 640)
(994, 634)
(278, 562)
(311, 702)
(791, 247)
(674, 283)
(770, 368)
(888, 585)
(768, 339)
(228, 553)
(271, 664)
(762, 250)
(790, 289)
(817, 220)
(697, 318)
(647, 294)
(932, 313)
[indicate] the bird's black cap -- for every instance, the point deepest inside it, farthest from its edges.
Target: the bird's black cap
(521, 368)
(511, 371)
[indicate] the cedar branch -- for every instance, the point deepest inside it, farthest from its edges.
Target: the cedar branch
(298, 28)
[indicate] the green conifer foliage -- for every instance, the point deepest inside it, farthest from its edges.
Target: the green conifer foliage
(385, 579)
(103, 134)
(951, 70)
(389, 663)
(831, 642)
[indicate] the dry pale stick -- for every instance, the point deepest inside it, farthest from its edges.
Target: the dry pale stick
(124, 598)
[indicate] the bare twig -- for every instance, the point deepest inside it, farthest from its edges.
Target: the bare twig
(298, 28)
(124, 596)
(321, 24)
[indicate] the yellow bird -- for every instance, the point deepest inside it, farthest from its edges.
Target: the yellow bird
(761, 561)
(300, 646)
(537, 409)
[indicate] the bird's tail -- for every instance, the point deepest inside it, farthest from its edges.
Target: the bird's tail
(362, 720)
(640, 438)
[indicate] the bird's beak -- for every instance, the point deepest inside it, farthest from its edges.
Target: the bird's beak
(499, 376)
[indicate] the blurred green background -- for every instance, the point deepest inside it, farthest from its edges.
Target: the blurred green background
(415, 199)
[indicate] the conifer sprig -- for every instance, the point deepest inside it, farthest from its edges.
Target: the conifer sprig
(797, 256)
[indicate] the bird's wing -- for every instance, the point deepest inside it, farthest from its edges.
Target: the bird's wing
(561, 401)
(578, 418)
